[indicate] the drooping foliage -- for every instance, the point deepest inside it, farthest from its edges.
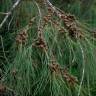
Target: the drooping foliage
(46, 51)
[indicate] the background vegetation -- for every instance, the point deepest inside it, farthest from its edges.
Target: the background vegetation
(47, 48)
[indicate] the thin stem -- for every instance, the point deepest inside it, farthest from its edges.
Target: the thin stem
(83, 71)
(40, 18)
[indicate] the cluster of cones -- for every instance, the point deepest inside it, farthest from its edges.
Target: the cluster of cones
(22, 37)
(55, 68)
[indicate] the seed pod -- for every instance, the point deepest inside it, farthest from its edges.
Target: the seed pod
(22, 37)
(40, 43)
(2, 88)
(71, 17)
(49, 9)
(63, 16)
(61, 30)
(69, 78)
(18, 41)
(46, 19)
(14, 72)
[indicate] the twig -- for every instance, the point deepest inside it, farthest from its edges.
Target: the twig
(2, 44)
(3, 13)
(40, 18)
(53, 8)
(83, 71)
(10, 22)
(9, 13)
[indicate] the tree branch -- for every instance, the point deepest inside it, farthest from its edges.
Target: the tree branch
(9, 13)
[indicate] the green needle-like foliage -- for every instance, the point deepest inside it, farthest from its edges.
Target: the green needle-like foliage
(50, 53)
